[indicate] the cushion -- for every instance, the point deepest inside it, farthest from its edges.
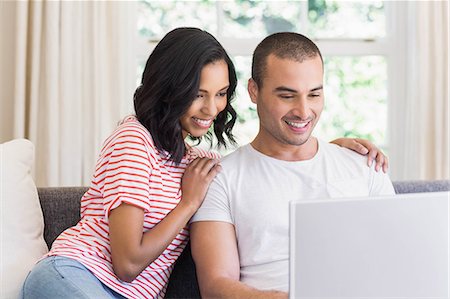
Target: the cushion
(21, 220)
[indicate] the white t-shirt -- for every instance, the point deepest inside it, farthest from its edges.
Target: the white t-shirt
(253, 192)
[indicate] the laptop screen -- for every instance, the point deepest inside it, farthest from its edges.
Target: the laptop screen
(383, 247)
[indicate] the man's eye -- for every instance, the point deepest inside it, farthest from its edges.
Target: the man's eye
(314, 95)
(286, 96)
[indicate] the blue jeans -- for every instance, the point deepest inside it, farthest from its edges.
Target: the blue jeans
(62, 277)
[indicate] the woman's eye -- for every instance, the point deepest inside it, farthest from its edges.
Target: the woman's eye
(199, 96)
(222, 94)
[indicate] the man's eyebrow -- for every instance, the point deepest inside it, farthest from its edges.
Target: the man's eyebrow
(284, 88)
(287, 89)
(317, 88)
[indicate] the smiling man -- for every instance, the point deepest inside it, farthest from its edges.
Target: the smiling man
(239, 237)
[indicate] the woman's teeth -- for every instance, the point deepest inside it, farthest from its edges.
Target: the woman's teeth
(203, 122)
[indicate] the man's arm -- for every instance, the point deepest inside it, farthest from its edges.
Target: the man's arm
(215, 253)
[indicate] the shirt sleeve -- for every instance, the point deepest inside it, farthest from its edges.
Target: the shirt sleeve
(127, 173)
(216, 206)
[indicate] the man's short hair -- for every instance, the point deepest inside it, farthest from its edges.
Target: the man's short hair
(285, 45)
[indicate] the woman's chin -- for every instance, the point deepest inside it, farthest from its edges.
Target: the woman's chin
(199, 133)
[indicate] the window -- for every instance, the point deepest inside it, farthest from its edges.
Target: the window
(352, 36)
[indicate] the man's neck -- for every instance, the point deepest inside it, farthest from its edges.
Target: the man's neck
(287, 152)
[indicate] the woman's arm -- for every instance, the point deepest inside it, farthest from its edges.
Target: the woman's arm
(365, 147)
(131, 249)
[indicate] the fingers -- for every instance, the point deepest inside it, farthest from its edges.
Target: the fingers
(381, 161)
(386, 164)
(205, 166)
(374, 154)
(359, 147)
(371, 156)
(214, 171)
(194, 163)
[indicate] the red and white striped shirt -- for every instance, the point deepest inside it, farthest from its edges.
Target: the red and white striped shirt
(130, 169)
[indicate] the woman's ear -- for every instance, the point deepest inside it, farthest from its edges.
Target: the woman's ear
(252, 88)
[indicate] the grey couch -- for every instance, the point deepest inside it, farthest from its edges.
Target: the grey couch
(61, 209)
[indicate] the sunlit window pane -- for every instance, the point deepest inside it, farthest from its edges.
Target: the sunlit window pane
(346, 19)
(247, 125)
(156, 18)
(253, 19)
(355, 98)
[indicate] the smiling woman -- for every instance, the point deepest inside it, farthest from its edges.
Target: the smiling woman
(148, 182)
(170, 86)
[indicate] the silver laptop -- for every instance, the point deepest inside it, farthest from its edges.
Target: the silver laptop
(381, 247)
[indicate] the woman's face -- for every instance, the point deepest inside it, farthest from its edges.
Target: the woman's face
(210, 101)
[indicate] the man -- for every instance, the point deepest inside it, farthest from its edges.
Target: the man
(239, 237)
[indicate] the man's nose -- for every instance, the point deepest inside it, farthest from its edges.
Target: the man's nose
(301, 109)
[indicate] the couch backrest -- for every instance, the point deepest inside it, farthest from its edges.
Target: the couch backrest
(61, 209)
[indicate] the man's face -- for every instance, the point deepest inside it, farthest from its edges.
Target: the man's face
(290, 100)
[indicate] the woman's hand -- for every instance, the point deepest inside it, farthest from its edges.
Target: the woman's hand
(365, 147)
(196, 180)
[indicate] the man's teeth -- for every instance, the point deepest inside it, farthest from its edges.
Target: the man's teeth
(202, 121)
(297, 125)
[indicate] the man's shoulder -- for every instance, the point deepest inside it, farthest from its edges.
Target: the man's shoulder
(234, 164)
(338, 152)
(241, 153)
(344, 162)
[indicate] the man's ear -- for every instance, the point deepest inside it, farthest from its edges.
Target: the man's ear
(252, 88)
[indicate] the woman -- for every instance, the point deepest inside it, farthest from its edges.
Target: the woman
(148, 182)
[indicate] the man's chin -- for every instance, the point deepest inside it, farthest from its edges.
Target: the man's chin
(300, 141)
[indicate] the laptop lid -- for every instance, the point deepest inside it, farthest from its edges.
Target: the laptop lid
(383, 247)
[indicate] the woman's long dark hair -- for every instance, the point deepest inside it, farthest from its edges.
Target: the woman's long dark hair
(170, 83)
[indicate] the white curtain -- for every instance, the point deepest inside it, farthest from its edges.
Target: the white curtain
(420, 141)
(73, 80)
